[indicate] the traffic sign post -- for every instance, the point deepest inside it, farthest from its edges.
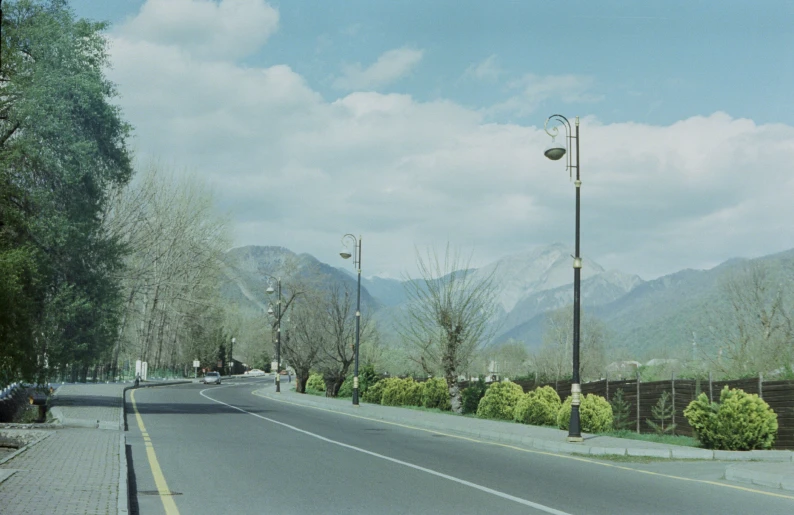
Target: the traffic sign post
(196, 364)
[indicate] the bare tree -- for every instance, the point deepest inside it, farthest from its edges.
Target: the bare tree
(176, 241)
(554, 360)
(304, 340)
(511, 357)
(752, 329)
(337, 315)
(448, 316)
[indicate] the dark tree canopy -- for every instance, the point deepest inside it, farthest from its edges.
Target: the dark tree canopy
(62, 151)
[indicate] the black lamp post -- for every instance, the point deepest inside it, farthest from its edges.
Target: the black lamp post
(345, 253)
(270, 291)
(231, 358)
(555, 152)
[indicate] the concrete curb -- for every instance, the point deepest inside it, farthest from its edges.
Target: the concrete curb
(124, 477)
(747, 474)
(123, 502)
(673, 453)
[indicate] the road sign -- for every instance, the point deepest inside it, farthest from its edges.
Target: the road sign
(196, 363)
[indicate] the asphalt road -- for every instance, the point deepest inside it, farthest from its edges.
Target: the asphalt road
(223, 449)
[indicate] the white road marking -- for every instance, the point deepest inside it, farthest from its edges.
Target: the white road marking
(485, 489)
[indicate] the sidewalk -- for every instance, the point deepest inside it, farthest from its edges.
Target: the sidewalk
(773, 469)
(78, 465)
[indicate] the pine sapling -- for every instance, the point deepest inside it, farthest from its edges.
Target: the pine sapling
(620, 411)
(662, 412)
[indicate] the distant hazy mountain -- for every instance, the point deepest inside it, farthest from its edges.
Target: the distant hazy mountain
(648, 318)
(518, 276)
(246, 282)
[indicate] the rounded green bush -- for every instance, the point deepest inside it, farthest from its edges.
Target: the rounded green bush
(500, 401)
(435, 394)
(395, 390)
(471, 395)
(413, 394)
(739, 422)
(316, 382)
(346, 390)
(538, 407)
(595, 414)
(374, 392)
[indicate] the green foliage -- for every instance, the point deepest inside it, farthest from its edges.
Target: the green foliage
(620, 411)
(346, 390)
(413, 394)
(739, 422)
(394, 391)
(367, 376)
(500, 401)
(62, 151)
(435, 394)
(595, 414)
(538, 407)
(316, 382)
(662, 411)
(471, 395)
(375, 392)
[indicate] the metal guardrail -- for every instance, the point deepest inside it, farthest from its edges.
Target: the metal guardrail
(8, 391)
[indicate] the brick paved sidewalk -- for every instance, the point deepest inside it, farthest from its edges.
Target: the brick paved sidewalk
(79, 467)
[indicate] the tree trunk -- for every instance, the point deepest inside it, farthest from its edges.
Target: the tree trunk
(301, 377)
(454, 394)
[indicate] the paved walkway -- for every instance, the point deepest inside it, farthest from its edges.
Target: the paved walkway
(768, 468)
(78, 465)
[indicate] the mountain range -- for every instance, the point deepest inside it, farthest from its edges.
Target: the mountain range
(647, 318)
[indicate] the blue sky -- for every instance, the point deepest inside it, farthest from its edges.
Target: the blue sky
(416, 123)
(652, 62)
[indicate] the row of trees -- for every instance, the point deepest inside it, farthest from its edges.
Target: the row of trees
(96, 267)
(62, 151)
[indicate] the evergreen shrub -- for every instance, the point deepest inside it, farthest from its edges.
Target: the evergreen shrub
(500, 400)
(739, 422)
(595, 414)
(471, 395)
(538, 407)
(316, 382)
(395, 390)
(375, 392)
(435, 394)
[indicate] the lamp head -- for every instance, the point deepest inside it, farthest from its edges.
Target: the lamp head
(555, 151)
(270, 310)
(345, 253)
(270, 290)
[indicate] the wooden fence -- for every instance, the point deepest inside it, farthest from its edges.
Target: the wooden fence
(642, 397)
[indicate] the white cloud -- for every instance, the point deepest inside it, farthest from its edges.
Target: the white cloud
(299, 171)
(390, 66)
(487, 70)
(535, 90)
(230, 29)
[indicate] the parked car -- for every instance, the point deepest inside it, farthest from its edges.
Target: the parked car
(254, 372)
(212, 378)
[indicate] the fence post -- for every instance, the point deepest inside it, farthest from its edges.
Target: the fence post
(606, 378)
(673, 388)
(760, 385)
(638, 401)
(711, 390)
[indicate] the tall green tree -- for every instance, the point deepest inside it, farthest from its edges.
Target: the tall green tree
(62, 150)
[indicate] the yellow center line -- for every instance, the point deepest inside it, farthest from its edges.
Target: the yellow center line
(508, 446)
(159, 479)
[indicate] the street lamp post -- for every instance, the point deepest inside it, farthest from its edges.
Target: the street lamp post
(270, 291)
(345, 253)
(231, 357)
(555, 152)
